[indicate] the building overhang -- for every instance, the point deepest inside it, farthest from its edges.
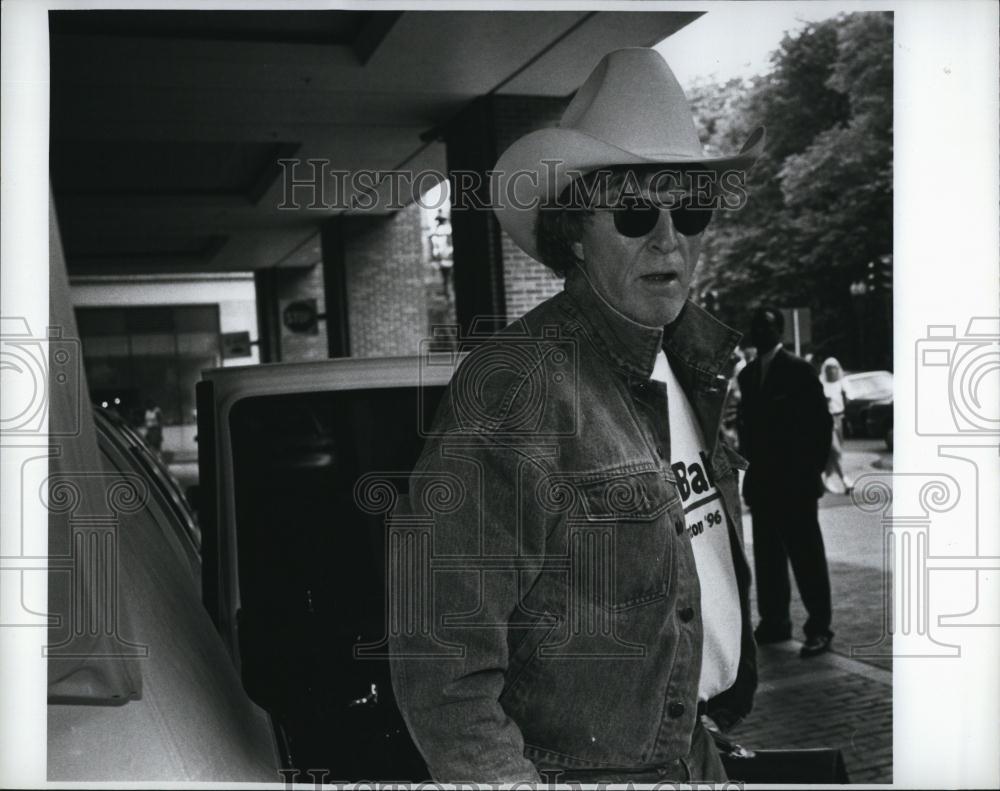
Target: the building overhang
(167, 127)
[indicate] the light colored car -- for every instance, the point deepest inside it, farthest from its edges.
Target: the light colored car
(141, 687)
(860, 391)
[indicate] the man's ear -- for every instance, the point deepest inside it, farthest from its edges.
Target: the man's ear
(577, 248)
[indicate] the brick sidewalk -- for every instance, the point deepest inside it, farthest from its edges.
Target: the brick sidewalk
(826, 701)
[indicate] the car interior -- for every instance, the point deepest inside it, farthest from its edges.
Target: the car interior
(311, 567)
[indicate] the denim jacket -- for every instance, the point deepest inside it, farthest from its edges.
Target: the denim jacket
(548, 608)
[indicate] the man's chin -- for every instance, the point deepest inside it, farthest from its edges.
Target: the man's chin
(662, 316)
(655, 313)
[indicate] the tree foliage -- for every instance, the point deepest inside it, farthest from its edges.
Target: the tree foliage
(820, 204)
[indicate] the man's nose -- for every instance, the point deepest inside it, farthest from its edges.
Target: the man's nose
(664, 235)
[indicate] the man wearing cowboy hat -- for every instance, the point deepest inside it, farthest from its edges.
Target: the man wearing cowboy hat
(589, 590)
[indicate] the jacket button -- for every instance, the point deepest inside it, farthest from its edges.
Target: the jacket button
(687, 613)
(679, 527)
(659, 452)
(675, 710)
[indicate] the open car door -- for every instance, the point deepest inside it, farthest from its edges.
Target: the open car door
(294, 567)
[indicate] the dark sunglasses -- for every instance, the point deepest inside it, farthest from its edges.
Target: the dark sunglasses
(639, 218)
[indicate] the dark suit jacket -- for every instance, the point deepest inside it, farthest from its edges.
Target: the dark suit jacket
(785, 428)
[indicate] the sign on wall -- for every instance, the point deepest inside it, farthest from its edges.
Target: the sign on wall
(235, 344)
(301, 316)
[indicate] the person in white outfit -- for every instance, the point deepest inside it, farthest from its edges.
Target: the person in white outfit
(833, 387)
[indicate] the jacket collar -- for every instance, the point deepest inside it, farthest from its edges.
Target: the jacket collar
(696, 339)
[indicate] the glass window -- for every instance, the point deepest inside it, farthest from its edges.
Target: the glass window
(106, 346)
(136, 355)
(197, 318)
(150, 320)
(150, 345)
(102, 321)
(197, 343)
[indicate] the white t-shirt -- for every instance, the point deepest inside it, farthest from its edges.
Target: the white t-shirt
(706, 525)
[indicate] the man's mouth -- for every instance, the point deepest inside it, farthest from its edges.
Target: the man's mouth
(659, 277)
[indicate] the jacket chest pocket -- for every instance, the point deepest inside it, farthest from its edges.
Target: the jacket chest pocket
(620, 531)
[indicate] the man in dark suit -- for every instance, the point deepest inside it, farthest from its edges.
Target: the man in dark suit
(785, 433)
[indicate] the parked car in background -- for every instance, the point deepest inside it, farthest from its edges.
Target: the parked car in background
(878, 418)
(860, 391)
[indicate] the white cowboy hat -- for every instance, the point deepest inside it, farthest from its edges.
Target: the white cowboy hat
(630, 111)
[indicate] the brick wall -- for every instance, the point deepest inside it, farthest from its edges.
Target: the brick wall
(386, 294)
(383, 263)
(480, 136)
(526, 282)
(290, 285)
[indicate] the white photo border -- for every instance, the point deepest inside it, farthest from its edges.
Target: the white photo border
(947, 194)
